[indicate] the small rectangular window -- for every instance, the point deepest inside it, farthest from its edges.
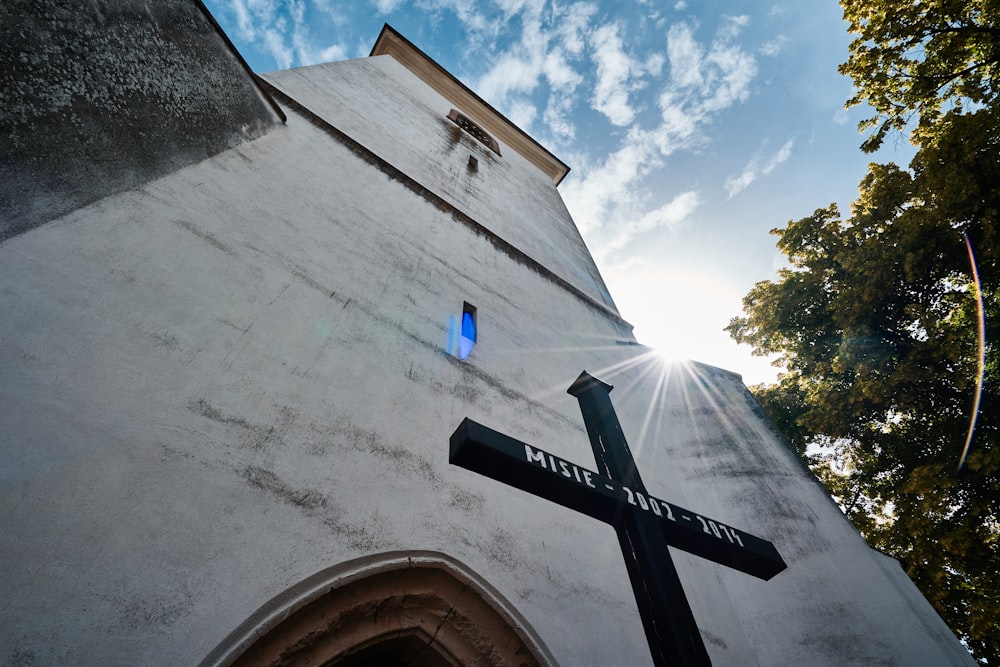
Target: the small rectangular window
(463, 332)
(467, 337)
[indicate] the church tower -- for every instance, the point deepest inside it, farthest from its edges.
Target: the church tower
(243, 316)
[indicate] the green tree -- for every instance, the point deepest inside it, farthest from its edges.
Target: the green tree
(919, 61)
(875, 322)
(876, 319)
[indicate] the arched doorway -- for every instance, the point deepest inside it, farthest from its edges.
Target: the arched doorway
(401, 609)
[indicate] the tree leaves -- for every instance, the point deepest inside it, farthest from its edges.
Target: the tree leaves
(911, 61)
(876, 322)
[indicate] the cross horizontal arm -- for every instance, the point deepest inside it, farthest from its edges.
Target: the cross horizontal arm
(482, 450)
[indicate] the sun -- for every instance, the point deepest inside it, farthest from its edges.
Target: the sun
(668, 354)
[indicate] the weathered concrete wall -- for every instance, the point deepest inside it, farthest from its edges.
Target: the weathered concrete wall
(102, 96)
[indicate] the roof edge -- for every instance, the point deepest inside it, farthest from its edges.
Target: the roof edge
(391, 43)
(241, 60)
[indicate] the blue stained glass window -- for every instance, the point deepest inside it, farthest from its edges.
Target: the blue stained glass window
(462, 332)
(468, 337)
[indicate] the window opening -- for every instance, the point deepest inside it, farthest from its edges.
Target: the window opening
(481, 135)
(463, 332)
(467, 339)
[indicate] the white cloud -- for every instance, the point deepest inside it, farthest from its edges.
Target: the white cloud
(703, 82)
(686, 56)
(334, 10)
(466, 11)
(332, 53)
(522, 113)
(611, 207)
(512, 7)
(563, 80)
(710, 80)
(610, 200)
(605, 195)
(654, 64)
(734, 70)
(244, 22)
(274, 44)
(754, 170)
(732, 26)
(739, 183)
(510, 74)
(573, 24)
(614, 71)
(260, 22)
(668, 216)
(387, 6)
(300, 32)
(783, 154)
(558, 70)
(678, 125)
(773, 47)
(281, 30)
(546, 51)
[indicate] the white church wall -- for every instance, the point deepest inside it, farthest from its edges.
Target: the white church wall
(405, 122)
(208, 396)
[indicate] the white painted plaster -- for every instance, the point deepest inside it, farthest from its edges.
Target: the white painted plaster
(404, 121)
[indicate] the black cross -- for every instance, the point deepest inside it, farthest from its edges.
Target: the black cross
(645, 525)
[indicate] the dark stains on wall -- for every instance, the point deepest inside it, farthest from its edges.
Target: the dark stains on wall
(260, 437)
(100, 97)
(330, 441)
(268, 481)
(140, 611)
(205, 236)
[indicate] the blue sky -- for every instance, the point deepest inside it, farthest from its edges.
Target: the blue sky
(692, 128)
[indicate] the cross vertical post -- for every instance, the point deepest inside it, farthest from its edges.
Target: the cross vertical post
(671, 630)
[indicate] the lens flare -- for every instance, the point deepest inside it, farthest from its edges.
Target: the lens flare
(981, 323)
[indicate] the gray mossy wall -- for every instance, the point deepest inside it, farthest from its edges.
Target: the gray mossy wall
(100, 97)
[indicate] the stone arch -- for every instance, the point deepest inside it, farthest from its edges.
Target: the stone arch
(412, 609)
